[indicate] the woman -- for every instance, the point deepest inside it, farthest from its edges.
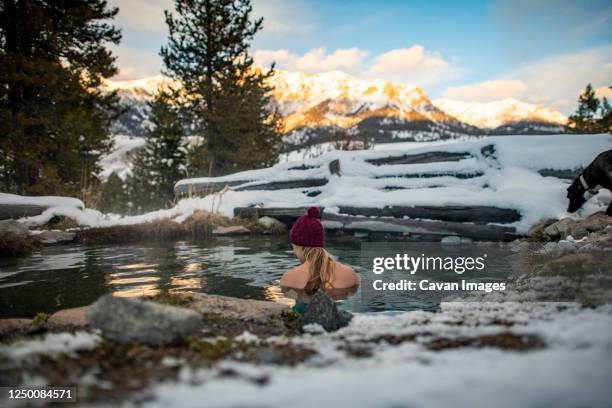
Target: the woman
(318, 270)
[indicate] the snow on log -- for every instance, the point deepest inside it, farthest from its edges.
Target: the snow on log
(16, 206)
(568, 174)
(513, 180)
(427, 157)
(475, 214)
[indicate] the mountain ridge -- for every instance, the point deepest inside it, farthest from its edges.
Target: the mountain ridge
(317, 107)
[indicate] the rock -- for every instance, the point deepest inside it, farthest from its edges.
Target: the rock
(13, 227)
(322, 310)
(234, 308)
(68, 318)
(538, 229)
(10, 327)
(455, 240)
(52, 237)
(269, 222)
(559, 229)
(334, 167)
(594, 223)
(127, 321)
(269, 356)
(233, 230)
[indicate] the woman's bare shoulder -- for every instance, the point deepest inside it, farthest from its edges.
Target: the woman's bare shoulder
(294, 277)
(346, 275)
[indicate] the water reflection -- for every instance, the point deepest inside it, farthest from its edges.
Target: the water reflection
(60, 277)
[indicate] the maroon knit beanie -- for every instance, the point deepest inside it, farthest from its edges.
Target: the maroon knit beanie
(307, 231)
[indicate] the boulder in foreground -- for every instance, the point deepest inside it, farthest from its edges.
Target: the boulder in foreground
(322, 310)
(133, 321)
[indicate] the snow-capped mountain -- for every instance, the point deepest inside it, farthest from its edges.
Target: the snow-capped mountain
(497, 114)
(319, 107)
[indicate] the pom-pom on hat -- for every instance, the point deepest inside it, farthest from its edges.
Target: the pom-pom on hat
(307, 231)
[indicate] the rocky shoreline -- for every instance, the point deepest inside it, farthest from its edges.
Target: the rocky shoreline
(154, 350)
(17, 239)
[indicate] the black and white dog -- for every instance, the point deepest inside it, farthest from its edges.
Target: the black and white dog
(598, 174)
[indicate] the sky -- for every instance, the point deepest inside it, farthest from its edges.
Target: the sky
(537, 51)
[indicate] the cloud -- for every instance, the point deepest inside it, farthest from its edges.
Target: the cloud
(486, 91)
(281, 16)
(134, 63)
(413, 65)
(556, 80)
(144, 15)
(604, 91)
(316, 60)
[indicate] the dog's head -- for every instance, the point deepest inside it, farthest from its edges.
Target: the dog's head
(575, 193)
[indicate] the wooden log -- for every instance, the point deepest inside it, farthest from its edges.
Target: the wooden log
(477, 214)
(423, 230)
(284, 215)
(465, 175)
(206, 188)
(568, 174)
(414, 229)
(210, 188)
(14, 211)
(427, 157)
(282, 185)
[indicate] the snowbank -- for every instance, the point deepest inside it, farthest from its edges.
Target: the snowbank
(504, 176)
(569, 368)
(43, 201)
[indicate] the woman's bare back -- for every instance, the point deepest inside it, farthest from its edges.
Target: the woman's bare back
(342, 277)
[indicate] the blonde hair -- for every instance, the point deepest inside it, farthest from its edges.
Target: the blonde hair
(320, 268)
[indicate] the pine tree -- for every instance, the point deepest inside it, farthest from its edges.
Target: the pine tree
(54, 119)
(606, 116)
(224, 95)
(113, 198)
(585, 119)
(162, 161)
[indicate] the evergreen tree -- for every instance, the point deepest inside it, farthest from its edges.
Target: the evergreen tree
(54, 119)
(162, 161)
(606, 116)
(585, 120)
(225, 97)
(113, 198)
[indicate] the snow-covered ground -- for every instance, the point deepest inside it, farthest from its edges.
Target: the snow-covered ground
(508, 178)
(571, 370)
(466, 355)
(120, 159)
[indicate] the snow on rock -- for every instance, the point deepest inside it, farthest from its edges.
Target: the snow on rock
(568, 366)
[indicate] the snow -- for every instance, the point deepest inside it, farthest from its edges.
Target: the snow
(119, 160)
(45, 201)
(570, 369)
(494, 114)
(338, 99)
(508, 179)
(51, 344)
